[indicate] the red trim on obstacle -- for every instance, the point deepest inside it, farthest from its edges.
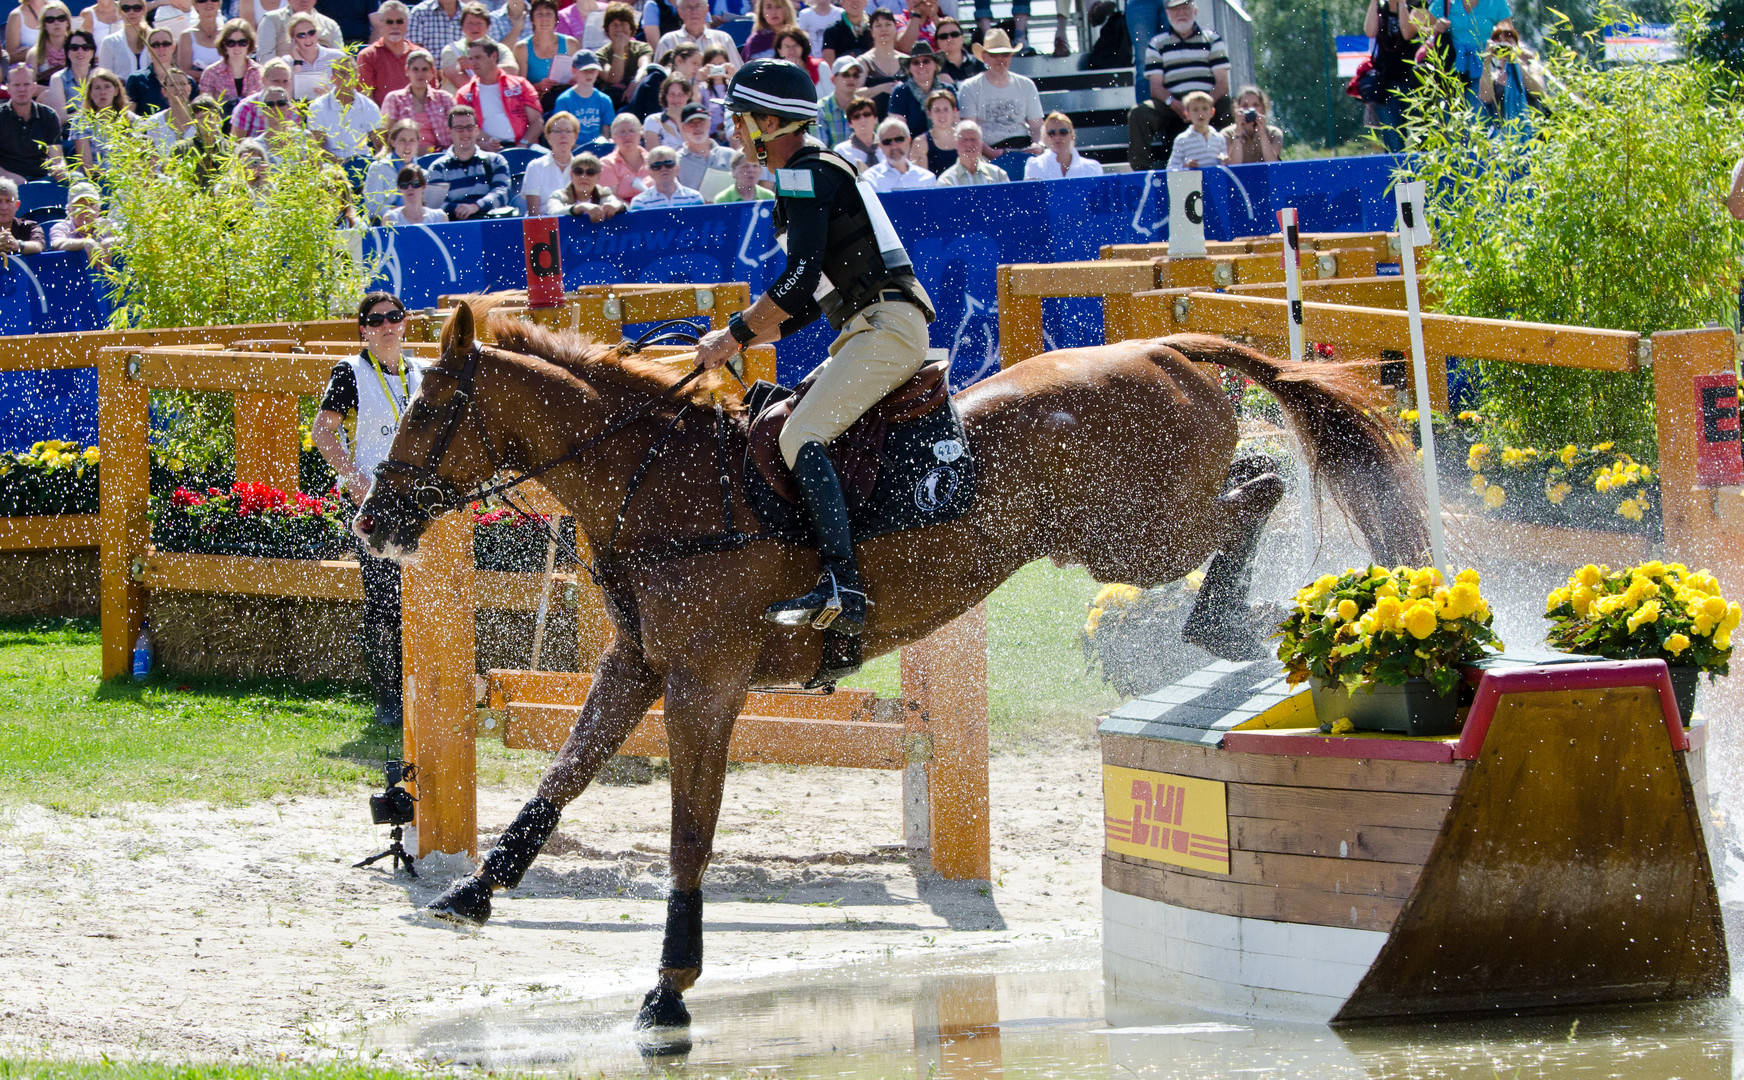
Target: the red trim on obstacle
(1340, 746)
(1600, 675)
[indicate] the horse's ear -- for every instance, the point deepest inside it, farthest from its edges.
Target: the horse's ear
(458, 335)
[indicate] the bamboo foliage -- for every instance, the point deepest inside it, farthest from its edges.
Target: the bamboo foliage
(1606, 208)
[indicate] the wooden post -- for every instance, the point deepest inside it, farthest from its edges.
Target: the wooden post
(947, 675)
(266, 440)
(1693, 529)
(1020, 322)
(441, 697)
(124, 484)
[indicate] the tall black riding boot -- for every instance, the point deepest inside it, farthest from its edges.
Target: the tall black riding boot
(838, 602)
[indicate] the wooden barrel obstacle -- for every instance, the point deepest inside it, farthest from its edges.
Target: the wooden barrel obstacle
(936, 733)
(1554, 853)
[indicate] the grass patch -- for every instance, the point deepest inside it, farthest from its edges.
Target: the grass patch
(75, 743)
(1039, 691)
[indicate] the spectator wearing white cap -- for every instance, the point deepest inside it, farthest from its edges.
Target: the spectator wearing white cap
(583, 100)
(896, 172)
(700, 154)
(847, 76)
(667, 193)
(971, 168)
(1061, 158)
(83, 229)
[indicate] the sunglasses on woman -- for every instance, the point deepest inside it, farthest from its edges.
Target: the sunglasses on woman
(163, 44)
(949, 36)
(236, 43)
(1055, 133)
(374, 320)
(584, 172)
(132, 7)
(413, 186)
(79, 46)
(56, 18)
(302, 35)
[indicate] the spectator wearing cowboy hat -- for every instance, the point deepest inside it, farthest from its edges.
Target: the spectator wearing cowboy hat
(908, 100)
(1006, 105)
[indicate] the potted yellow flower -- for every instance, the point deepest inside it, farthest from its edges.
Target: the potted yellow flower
(1652, 611)
(1383, 648)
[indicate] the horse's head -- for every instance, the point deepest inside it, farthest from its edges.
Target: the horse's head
(438, 455)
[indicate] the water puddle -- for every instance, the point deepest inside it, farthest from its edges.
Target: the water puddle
(1041, 1012)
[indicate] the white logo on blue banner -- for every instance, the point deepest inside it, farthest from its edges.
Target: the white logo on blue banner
(1186, 213)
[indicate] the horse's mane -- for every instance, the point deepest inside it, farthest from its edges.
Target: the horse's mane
(597, 362)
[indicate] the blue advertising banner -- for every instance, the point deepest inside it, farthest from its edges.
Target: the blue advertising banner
(957, 238)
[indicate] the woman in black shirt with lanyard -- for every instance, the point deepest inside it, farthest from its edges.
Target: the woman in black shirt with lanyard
(375, 385)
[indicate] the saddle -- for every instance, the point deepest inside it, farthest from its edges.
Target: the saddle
(857, 452)
(905, 464)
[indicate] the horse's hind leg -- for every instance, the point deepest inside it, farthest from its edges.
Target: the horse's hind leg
(623, 689)
(699, 724)
(1221, 622)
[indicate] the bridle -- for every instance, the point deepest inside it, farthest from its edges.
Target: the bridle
(429, 494)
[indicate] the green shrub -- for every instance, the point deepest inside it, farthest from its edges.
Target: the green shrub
(1607, 210)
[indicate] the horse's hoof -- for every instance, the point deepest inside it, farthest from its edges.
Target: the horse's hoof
(466, 901)
(662, 1008)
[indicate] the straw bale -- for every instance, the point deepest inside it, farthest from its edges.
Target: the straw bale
(62, 582)
(316, 640)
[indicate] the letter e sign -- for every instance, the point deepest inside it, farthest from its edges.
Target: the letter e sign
(1718, 463)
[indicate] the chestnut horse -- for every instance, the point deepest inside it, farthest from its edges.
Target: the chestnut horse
(1119, 458)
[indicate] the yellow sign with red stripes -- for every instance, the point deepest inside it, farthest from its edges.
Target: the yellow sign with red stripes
(1180, 820)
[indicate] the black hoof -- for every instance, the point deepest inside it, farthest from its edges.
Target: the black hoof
(466, 901)
(1234, 643)
(663, 1008)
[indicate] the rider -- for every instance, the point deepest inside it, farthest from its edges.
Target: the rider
(845, 262)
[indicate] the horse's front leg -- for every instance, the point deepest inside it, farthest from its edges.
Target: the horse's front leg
(699, 722)
(623, 689)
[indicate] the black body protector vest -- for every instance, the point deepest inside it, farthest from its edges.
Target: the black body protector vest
(863, 257)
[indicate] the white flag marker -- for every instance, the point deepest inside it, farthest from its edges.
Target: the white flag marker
(1293, 277)
(1413, 231)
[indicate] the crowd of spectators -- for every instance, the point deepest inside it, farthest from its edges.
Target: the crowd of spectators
(451, 110)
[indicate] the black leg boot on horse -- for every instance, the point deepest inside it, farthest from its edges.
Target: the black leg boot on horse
(1222, 623)
(838, 601)
(469, 899)
(680, 962)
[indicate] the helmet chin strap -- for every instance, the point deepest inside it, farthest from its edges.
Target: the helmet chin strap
(758, 135)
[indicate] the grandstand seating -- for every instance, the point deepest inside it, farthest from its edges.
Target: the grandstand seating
(1096, 99)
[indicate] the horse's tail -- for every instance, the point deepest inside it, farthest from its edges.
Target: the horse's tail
(1362, 459)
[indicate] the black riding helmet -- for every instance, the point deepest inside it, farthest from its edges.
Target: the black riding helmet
(772, 88)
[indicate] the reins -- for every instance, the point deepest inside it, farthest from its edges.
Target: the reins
(442, 496)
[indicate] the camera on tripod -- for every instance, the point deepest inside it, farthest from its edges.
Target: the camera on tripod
(394, 806)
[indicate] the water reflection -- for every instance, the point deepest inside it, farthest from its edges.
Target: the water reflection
(1040, 1012)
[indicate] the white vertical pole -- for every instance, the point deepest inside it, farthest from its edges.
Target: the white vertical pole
(1293, 277)
(1414, 229)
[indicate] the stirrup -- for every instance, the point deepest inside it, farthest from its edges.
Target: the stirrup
(828, 601)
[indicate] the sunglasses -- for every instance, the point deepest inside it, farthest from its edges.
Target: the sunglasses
(413, 186)
(55, 18)
(584, 172)
(894, 140)
(302, 34)
(663, 164)
(163, 44)
(375, 320)
(132, 7)
(393, 22)
(1055, 133)
(80, 47)
(949, 36)
(236, 43)
(279, 103)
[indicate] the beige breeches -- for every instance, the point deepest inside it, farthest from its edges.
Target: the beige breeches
(880, 349)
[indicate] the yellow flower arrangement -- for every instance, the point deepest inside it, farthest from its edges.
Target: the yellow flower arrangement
(54, 476)
(1655, 610)
(1379, 625)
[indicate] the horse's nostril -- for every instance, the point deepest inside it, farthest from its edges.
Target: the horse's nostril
(366, 523)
